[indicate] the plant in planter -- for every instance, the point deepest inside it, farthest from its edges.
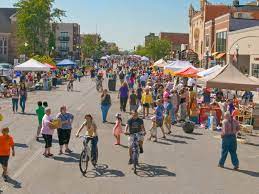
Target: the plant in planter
(188, 127)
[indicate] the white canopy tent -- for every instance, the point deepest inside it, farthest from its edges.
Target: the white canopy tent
(160, 63)
(32, 65)
(144, 58)
(209, 71)
(178, 65)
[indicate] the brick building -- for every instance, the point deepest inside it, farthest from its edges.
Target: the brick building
(176, 39)
(150, 37)
(8, 41)
(213, 21)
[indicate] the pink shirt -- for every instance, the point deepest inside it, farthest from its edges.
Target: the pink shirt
(46, 130)
(165, 96)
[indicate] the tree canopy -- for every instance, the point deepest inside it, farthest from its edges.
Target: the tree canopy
(156, 49)
(34, 18)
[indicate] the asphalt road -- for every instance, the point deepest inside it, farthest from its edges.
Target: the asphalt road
(181, 164)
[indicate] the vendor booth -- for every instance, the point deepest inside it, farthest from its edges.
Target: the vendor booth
(32, 65)
(177, 66)
(66, 63)
(160, 63)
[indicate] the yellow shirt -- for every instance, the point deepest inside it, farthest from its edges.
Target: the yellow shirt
(146, 98)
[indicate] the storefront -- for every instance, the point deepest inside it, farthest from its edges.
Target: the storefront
(243, 50)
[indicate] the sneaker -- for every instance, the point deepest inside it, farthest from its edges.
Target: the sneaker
(130, 161)
(141, 150)
(68, 151)
(236, 167)
(221, 166)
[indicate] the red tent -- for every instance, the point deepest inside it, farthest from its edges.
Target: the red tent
(52, 67)
(187, 72)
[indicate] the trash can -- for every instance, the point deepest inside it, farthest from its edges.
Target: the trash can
(112, 85)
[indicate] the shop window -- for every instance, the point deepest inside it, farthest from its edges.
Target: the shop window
(221, 42)
(255, 72)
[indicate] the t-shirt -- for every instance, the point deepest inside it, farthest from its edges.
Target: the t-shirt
(40, 111)
(139, 93)
(46, 130)
(66, 117)
(6, 142)
(168, 107)
(124, 92)
(133, 99)
(107, 100)
(159, 112)
(135, 125)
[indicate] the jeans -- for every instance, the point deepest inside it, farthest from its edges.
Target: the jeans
(123, 103)
(94, 142)
(45, 86)
(15, 104)
(105, 109)
(22, 103)
(229, 144)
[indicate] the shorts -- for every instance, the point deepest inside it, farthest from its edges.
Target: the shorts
(146, 105)
(4, 160)
(64, 136)
(153, 132)
(48, 140)
(140, 137)
(159, 123)
(167, 119)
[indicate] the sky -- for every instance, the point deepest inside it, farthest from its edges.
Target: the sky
(126, 22)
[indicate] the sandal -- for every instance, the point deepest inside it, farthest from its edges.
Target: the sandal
(50, 155)
(46, 155)
(68, 151)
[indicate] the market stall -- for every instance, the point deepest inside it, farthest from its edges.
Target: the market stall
(190, 72)
(177, 66)
(160, 63)
(66, 63)
(33, 66)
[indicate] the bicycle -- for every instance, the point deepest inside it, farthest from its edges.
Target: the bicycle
(135, 151)
(86, 155)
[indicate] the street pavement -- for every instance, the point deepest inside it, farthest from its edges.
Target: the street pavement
(181, 164)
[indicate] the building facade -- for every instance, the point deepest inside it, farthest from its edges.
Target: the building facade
(67, 37)
(209, 27)
(243, 47)
(8, 40)
(176, 39)
(150, 37)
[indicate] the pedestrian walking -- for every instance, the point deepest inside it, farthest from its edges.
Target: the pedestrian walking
(153, 130)
(6, 144)
(117, 129)
(159, 112)
(146, 101)
(40, 111)
(47, 131)
(123, 96)
(105, 104)
(168, 114)
(23, 97)
(133, 101)
(64, 132)
(15, 97)
(230, 127)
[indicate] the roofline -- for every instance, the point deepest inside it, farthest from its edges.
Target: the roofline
(244, 30)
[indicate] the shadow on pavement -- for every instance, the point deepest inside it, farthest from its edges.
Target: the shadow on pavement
(252, 144)
(14, 183)
(21, 145)
(70, 158)
(184, 137)
(102, 170)
(175, 141)
(247, 172)
(28, 114)
(124, 146)
(194, 133)
(43, 141)
(147, 170)
(163, 143)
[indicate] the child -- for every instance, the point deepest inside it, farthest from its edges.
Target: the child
(117, 129)
(45, 104)
(153, 130)
(6, 142)
(40, 111)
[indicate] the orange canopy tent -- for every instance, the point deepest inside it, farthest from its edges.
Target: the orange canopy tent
(187, 72)
(52, 67)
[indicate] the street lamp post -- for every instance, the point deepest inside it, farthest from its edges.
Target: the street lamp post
(237, 54)
(207, 58)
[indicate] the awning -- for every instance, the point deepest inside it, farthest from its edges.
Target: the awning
(214, 54)
(220, 55)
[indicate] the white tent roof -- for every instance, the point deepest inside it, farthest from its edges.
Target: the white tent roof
(209, 71)
(178, 65)
(160, 63)
(32, 65)
(144, 58)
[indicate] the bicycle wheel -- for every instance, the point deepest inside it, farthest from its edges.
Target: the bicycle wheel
(135, 161)
(83, 162)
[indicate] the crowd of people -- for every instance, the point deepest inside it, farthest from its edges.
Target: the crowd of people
(147, 94)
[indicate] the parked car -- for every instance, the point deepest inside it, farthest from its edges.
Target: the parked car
(6, 69)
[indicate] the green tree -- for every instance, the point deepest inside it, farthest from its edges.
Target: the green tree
(142, 51)
(158, 49)
(33, 24)
(89, 46)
